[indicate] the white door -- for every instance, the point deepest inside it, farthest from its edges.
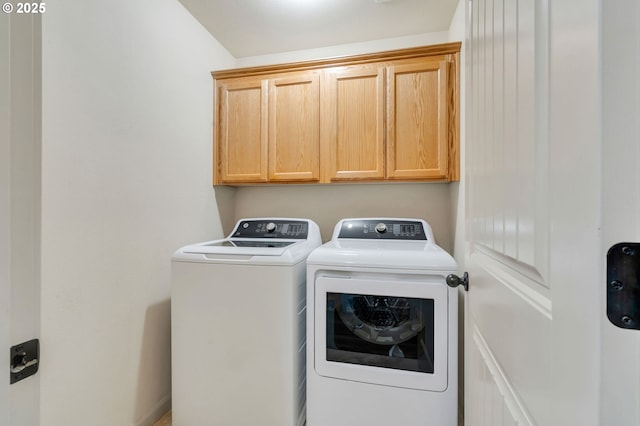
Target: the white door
(621, 196)
(533, 154)
(19, 208)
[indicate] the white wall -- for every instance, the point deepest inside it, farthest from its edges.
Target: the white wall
(457, 32)
(346, 49)
(327, 204)
(126, 180)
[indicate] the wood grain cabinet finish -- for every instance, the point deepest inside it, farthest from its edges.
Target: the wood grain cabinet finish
(353, 123)
(388, 116)
(242, 132)
(268, 129)
(294, 128)
(417, 124)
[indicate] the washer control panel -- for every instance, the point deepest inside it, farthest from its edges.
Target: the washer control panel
(382, 229)
(267, 228)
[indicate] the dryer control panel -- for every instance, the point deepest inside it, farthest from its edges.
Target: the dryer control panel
(382, 229)
(271, 228)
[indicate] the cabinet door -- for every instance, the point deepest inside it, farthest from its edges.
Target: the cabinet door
(294, 127)
(352, 131)
(242, 132)
(417, 119)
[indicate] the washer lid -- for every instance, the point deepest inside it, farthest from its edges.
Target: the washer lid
(229, 252)
(249, 243)
(258, 241)
(239, 247)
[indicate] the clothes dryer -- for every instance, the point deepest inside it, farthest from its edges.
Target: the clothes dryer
(381, 327)
(238, 325)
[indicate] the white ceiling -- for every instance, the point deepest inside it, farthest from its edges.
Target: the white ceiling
(259, 27)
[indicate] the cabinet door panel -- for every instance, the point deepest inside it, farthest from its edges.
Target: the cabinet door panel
(294, 127)
(353, 123)
(242, 132)
(417, 119)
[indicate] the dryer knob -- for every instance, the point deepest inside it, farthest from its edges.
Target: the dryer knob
(271, 227)
(381, 228)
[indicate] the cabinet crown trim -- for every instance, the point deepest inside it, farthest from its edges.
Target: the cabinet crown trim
(409, 53)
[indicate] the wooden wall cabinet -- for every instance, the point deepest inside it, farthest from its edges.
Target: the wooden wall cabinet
(353, 123)
(242, 132)
(388, 116)
(294, 127)
(268, 129)
(417, 119)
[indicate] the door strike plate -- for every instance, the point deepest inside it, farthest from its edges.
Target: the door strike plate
(623, 285)
(24, 359)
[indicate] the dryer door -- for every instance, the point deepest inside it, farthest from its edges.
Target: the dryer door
(387, 332)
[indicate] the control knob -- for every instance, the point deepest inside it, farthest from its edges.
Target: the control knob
(271, 227)
(381, 228)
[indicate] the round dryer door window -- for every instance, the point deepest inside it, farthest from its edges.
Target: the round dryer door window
(385, 332)
(382, 331)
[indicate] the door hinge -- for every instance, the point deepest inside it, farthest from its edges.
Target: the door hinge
(454, 281)
(24, 360)
(623, 285)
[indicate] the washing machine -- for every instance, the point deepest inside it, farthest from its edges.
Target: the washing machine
(381, 327)
(238, 326)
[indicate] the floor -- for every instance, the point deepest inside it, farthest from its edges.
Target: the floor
(164, 420)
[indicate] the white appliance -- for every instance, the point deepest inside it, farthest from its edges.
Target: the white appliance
(381, 327)
(238, 321)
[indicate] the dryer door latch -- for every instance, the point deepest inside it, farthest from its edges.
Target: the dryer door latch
(454, 281)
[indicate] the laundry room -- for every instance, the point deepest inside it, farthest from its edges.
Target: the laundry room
(118, 161)
(118, 121)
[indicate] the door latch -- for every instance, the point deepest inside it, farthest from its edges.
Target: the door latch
(623, 285)
(454, 281)
(24, 359)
